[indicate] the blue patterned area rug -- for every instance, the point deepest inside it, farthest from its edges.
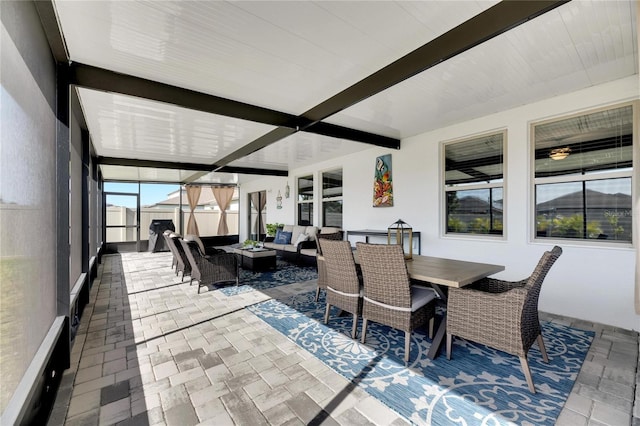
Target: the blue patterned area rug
(478, 386)
(285, 273)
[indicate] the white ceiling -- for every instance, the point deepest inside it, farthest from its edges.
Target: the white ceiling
(130, 127)
(291, 56)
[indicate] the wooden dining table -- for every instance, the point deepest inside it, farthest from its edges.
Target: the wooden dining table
(438, 272)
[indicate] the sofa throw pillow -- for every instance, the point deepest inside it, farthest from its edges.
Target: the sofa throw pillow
(282, 237)
(301, 238)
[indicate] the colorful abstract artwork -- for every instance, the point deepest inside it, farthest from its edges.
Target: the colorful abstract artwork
(383, 183)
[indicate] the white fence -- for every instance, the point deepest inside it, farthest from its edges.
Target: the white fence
(207, 222)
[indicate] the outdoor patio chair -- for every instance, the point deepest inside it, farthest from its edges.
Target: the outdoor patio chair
(205, 250)
(389, 297)
(166, 235)
(322, 272)
(322, 275)
(211, 269)
(182, 263)
(501, 314)
(344, 289)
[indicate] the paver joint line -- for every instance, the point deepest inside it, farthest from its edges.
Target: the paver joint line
(233, 366)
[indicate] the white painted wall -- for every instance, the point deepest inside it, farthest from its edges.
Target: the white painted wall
(271, 184)
(594, 283)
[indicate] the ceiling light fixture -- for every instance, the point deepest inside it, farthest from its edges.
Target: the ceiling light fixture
(560, 153)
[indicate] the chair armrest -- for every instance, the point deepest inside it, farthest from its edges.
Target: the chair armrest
(218, 262)
(493, 319)
(469, 309)
(209, 251)
(482, 300)
(220, 257)
(306, 245)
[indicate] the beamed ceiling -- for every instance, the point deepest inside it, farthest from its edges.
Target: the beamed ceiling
(214, 92)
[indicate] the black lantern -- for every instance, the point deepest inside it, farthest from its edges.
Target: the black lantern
(402, 232)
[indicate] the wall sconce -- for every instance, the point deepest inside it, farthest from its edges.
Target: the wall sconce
(399, 229)
(560, 153)
(286, 191)
(279, 200)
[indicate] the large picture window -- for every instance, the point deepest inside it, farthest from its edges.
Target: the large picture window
(305, 200)
(583, 168)
(332, 198)
(474, 179)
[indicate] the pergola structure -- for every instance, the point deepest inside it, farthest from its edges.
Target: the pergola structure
(243, 93)
(197, 90)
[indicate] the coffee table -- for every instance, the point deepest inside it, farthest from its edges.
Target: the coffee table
(256, 259)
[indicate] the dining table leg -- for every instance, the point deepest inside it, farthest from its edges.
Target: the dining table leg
(442, 328)
(437, 339)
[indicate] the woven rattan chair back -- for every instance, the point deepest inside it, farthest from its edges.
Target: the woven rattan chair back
(530, 321)
(384, 274)
(172, 249)
(211, 269)
(182, 263)
(387, 292)
(335, 236)
(190, 249)
(322, 270)
(322, 275)
(340, 266)
(343, 284)
(542, 268)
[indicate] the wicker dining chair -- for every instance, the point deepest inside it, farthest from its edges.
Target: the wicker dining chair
(389, 297)
(210, 269)
(322, 275)
(343, 285)
(182, 263)
(501, 314)
(322, 271)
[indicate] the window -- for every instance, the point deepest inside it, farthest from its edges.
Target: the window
(305, 200)
(332, 198)
(474, 179)
(583, 168)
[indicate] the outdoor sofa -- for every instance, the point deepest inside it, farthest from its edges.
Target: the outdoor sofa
(297, 243)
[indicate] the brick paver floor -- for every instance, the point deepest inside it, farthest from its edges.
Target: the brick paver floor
(150, 350)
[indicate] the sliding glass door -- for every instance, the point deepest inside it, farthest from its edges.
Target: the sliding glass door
(257, 215)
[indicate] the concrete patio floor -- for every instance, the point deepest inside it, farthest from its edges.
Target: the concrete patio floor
(151, 351)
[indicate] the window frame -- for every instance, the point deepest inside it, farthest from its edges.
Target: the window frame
(324, 199)
(312, 177)
(444, 219)
(584, 178)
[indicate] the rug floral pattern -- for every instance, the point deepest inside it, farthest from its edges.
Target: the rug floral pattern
(284, 274)
(478, 386)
